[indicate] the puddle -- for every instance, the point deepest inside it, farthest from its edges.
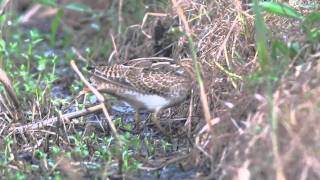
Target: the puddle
(60, 93)
(122, 107)
(167, 173)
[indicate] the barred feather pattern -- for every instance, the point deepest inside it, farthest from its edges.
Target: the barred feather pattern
(165, 86)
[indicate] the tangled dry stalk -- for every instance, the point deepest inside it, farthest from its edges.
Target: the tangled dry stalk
(233, 136)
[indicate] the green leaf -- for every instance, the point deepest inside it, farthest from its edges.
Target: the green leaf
(51, 3)
(261, 39)
(312, 18)
(54, 26)
(2, 45)
(41, 63)
(311, 26)
(74, 6)
(3, 18)
(279, 47)
(280, 9)
(39, 154)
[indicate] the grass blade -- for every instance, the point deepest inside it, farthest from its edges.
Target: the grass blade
(280, 9)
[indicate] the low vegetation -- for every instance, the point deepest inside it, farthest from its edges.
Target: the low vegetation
(253, 113)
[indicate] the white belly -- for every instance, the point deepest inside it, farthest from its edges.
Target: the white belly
(152, 102)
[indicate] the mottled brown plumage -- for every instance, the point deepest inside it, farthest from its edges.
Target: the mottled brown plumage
(152, 87)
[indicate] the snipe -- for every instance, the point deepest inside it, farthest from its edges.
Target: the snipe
(150, 86)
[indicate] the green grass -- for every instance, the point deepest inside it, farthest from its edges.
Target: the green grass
(275, 57)
(26, 56)
(33, 59)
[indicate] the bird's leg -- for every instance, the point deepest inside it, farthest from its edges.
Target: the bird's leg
(137, 120)
(157, 122)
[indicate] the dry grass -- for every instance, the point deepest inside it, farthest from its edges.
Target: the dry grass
(243, 141)
(242, 144)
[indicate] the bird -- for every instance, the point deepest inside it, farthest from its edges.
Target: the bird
(146, 85)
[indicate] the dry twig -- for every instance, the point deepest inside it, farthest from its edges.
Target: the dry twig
(49, 122)
(98, 95)
(203, 95)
